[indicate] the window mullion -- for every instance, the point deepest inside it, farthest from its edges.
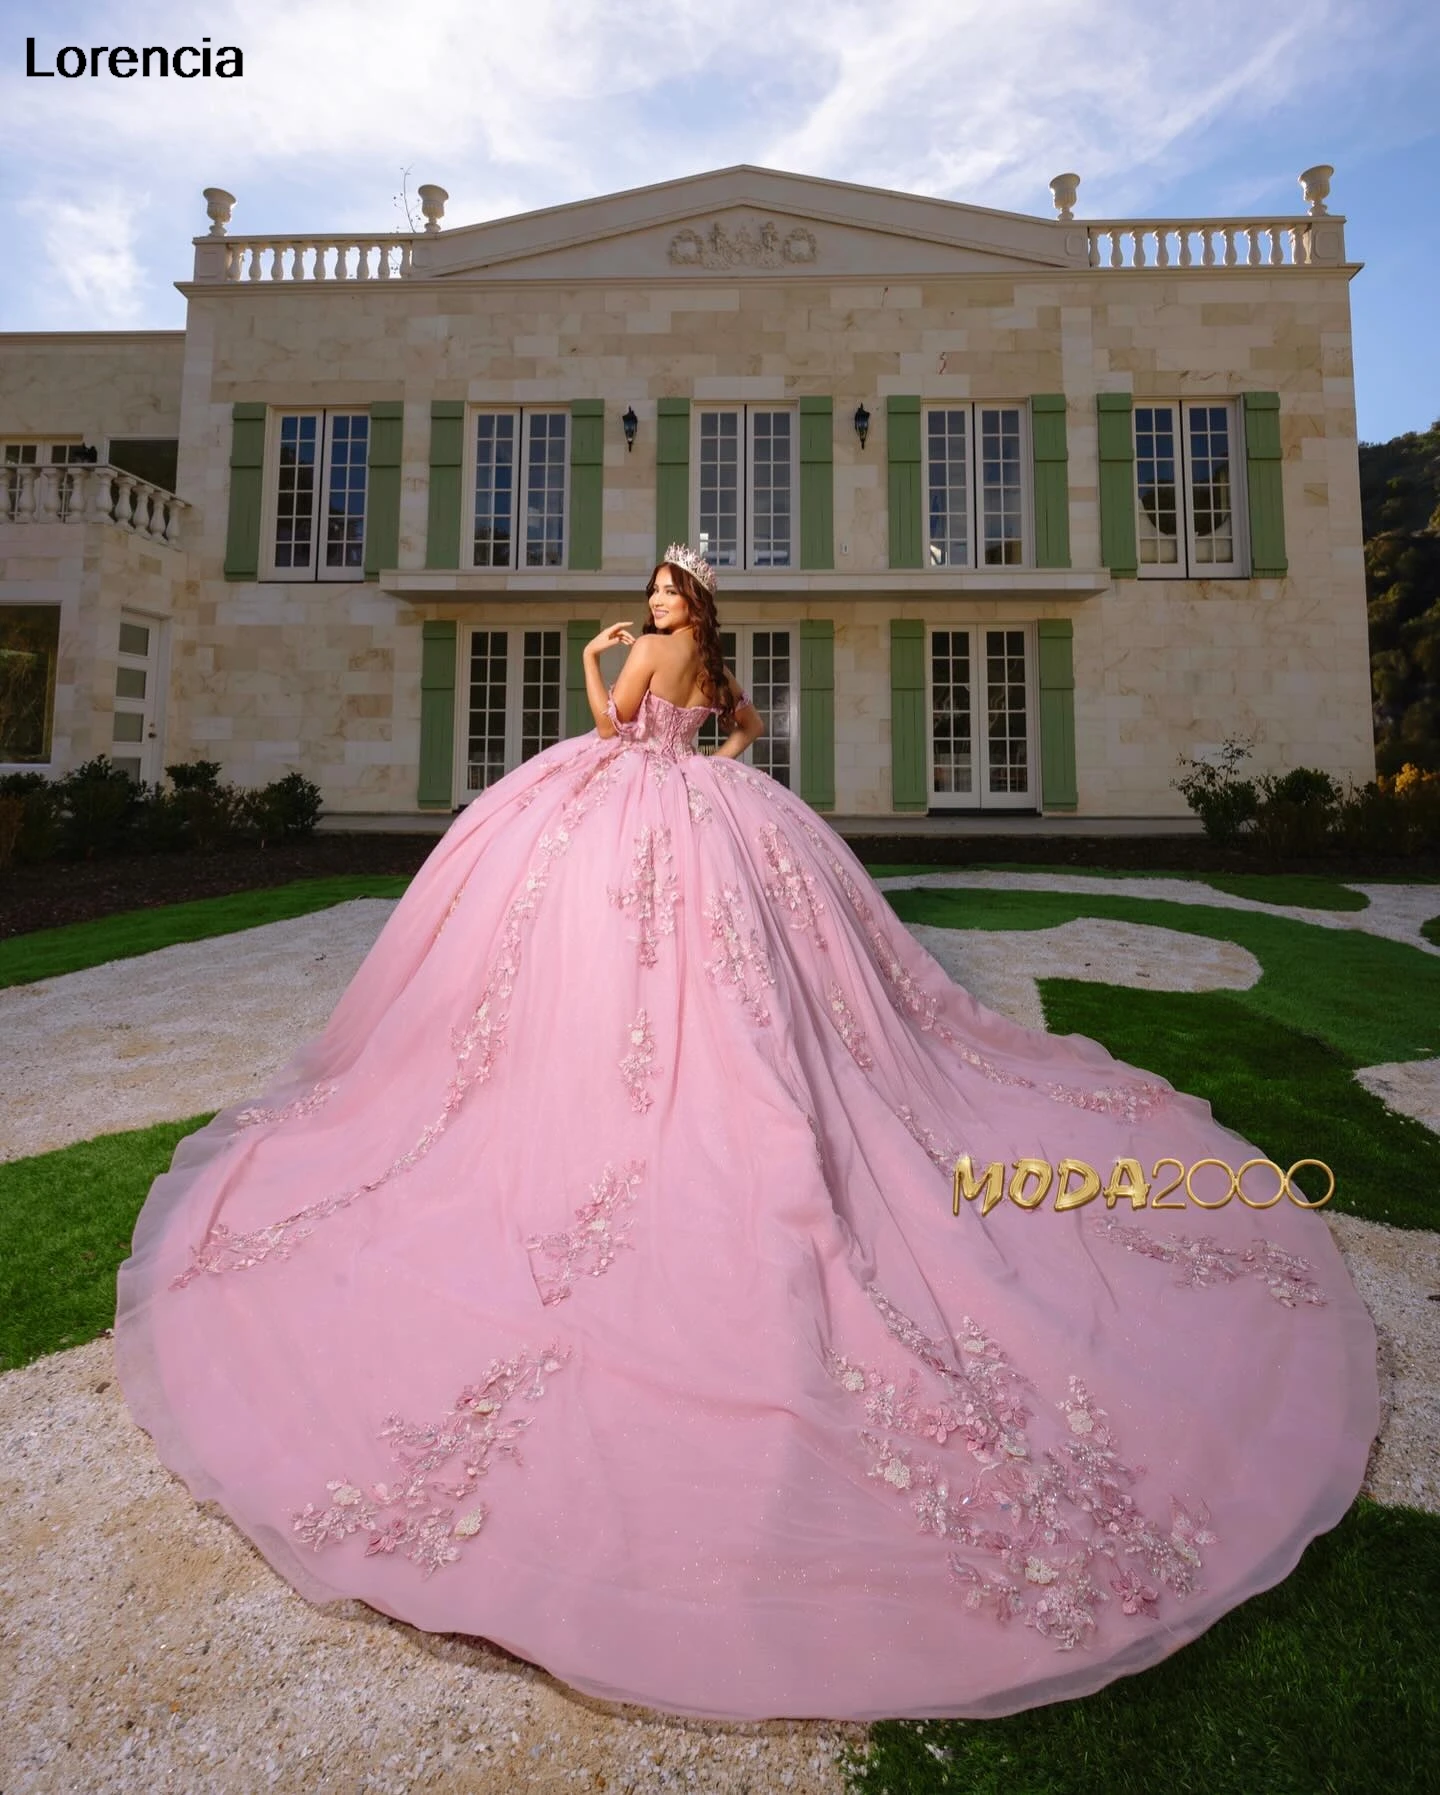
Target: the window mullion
(1185, 495)
(519, 544)
(745, 508)
(974, 462)
(320, 503)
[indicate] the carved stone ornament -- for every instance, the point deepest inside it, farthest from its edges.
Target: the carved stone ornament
(759, 247)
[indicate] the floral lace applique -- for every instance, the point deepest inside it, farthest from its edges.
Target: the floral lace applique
(741, 961)
(453, 906)
(422, 1523)
(532, 792)
(316, 1098)
(792, 883)
(652, 893)
(476, 1047)
(638, 1063)
(739, 774)
(814, 1128)
(847, 1026)
(1050, 1526)
(1203, 1261)
(942, 1158)
(1130, 1103)
(700, 810)
(589, 1245)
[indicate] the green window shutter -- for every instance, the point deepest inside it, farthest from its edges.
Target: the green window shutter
(1117, 484)
(1051, 480)
(672, 473)
(247, 477)
(817, 712)
(382, 487)
(587, 482)
(1263, 483)
(437, 715)
(909, 783)
(447, 454)
(1057, 713)
(817, 483)
(578, 631)
(902, 443)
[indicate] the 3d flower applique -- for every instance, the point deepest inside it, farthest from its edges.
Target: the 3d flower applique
(740, 961)
(588, 1246)
(426, 1517)
(791, 883)
(652, 891)
(1202, 1260)
(637, 1064)
(1030, 1532)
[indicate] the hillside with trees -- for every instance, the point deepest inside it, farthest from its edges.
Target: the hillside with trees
(1400, 502)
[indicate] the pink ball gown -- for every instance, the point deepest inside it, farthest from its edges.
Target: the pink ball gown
(592, 1285)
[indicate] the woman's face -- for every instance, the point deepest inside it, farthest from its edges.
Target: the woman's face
(668, 604)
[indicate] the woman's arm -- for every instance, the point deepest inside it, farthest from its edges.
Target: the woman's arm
(749, 727)
(629, 686)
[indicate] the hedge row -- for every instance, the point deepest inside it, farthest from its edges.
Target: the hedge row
(99, 809)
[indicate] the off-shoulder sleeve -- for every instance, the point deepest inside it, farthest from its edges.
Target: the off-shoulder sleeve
(621, 728)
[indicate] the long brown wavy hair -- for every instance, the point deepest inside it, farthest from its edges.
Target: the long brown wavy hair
(707, 637)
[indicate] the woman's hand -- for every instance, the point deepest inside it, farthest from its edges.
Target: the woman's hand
(608, 637)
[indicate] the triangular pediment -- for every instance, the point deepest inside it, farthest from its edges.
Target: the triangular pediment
(750, 221)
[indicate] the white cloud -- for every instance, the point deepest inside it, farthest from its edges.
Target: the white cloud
(92, 271)
(518, 106)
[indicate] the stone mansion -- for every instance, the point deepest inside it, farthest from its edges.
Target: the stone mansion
(1009, 512)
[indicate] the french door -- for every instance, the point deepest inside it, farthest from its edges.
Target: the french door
(764, 659)
(512, 702)
(981, 706)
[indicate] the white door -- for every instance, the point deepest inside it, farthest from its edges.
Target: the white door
(982, 718)
(135, 732)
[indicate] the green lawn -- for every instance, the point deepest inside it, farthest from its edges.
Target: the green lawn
(48, 953)
(65, 1224)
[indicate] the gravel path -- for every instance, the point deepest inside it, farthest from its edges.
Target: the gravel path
(146, 1646)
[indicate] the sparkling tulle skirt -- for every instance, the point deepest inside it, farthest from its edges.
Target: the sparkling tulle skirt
(593, 1285)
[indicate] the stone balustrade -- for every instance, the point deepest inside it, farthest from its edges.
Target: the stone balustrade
(1212, 243)
(1215, 242)
(84, 493)
(246, 259)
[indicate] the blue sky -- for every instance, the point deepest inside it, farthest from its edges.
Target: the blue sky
(1165, 109)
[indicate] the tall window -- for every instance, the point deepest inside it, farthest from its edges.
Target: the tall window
(513, 702)
(1185, 522)
(976, 499)
(316, 495)
(765, 662)
(745, 456)
(981, 718)
(521, 462)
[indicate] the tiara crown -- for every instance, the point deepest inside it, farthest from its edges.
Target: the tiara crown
(681, 556)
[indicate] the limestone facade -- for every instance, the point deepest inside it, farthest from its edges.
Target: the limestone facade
(813, 290)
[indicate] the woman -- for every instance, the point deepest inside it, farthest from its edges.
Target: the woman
(594, 1283)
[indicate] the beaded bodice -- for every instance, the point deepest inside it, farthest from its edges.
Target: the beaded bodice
(661, 726)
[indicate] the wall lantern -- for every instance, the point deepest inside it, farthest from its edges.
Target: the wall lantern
(631, 423)
(862, 424)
